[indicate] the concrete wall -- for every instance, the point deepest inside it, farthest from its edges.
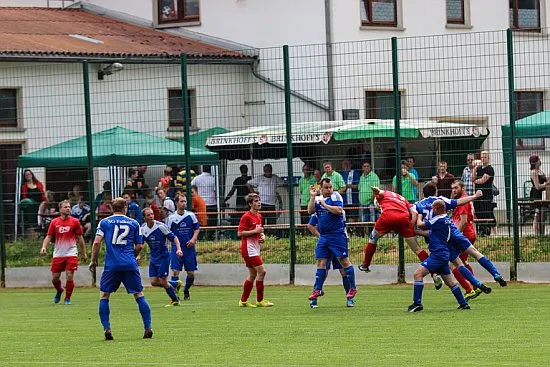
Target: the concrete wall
(277, 274)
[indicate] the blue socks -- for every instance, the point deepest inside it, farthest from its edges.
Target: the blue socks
(417, 294)
(172, 294)
(469, 276)
(104, 313)
(488, 265)
(458, 295)
(345, 283)
(188, 283)
(320, 276)
(174, 279)
(173, 283)
(145, 311)
(351, 276)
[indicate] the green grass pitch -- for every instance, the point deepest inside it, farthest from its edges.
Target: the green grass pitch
(509, 327)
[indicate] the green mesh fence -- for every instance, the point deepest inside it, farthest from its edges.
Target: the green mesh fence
(453, 94)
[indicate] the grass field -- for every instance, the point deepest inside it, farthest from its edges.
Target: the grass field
(506, 328)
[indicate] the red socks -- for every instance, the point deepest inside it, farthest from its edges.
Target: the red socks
(69, 286)
(422, 255)
(247, 288)
(58, 286)
(370, 249)
(463, 282)
(259, 290)
(469, 267)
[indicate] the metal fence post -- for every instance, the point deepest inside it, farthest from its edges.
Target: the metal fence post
(397, 129)
(289, 159)
(186, 122)
(514, 174)
(2, 242)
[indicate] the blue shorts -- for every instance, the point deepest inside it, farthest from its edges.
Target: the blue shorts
(333, 244)
(159, 267)
(187, 262)
(459, 243)
(110, 281)
(437, 263)
(335, 263)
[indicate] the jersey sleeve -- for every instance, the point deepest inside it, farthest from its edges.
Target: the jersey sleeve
(168, 233)
(51, 228)
(449, 203)
(77, 228)
(337, 199)
(100, 229)
(243, 223)
(313, 220)
(196, 224)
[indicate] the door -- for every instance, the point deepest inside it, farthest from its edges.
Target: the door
(9, 153)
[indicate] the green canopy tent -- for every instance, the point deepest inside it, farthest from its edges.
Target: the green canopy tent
(534, 126)
(113, 148)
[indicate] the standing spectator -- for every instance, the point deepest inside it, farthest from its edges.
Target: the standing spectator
(266, 186)
(304, 186)
(367, 181)
(318, 176)
(123, 242)
(198, 206)
(181, 178)
(335, 178)
(407, 183)
(32, 188)
(67, 232)
(351, 193)
(483, 180)
(134, 211)
(467, 174)
(133, 179)
(252, 235)
(538, 180)
(186, 227)
(150, 203)
(99, 197)
(414, 172)
(167, 182)
(206, 188)
(239, 186)
(444, 180)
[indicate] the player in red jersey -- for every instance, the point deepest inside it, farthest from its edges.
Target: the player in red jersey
(67, 231)
(251, 231)
(395, 217)
(463, 218)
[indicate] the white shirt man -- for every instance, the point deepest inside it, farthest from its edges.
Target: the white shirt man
(206, 187)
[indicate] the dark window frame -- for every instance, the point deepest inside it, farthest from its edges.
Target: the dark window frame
(514, 6)
(461, 20)
(527, 144)
(181, 16)
(175, 94)
(369, 21)
(6, 117)
(370, 102)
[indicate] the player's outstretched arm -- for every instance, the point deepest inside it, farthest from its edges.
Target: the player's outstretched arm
(467, 199)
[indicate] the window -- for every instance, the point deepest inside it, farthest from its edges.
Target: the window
(379, 13)
(525, 15)
(178, 11)
(527, 104)
(8, 107)
(379, 105)
(455, 12)
(175, 108)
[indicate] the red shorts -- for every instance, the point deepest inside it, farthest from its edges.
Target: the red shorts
(63, 263)
(395, 221)
(252, 261)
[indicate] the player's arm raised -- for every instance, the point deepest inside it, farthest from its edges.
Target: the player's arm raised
(311, 203)
(467, 199)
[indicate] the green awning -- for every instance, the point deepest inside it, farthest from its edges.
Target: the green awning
(117, 146)
(198, 140)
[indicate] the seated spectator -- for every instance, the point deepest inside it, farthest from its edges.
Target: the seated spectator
(74, 195)
(81, 211)
(47, 210)
(105, 208)
(32, 188)
(99, 197)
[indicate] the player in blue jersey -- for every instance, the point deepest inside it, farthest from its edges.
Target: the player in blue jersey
(329, 208)
(458, 241)
(123, 243)
(312, 227)
(185, 226)
(156, 233)
(439, 227)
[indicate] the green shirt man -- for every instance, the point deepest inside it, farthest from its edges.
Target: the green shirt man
(366, 182)
(336, 179)
(304, 184)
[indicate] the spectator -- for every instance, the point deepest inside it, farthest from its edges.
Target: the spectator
(47, 210)
(132, 178)
(206, 188)
(81, 211)
(105, 206)
(467, 174)
(165, 204)
(367, 181)
(318, 175)
(239, 186)
(167, 181)
(99, 197)
(351, 194)
(134, 211)
(198, 206)
(150, 203)
(335, 178)
(74, 195)
(414, 172)
(32, 189)
(407, 183)
(444, 180)
(304, 187)
(483, 180)
(266, 185)
(538, 180)
(181, 178)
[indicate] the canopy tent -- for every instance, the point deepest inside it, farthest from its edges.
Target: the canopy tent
(534, 126)
(113, 148)
(308, 135)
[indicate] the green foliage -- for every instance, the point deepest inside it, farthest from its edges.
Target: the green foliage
(504, 328)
